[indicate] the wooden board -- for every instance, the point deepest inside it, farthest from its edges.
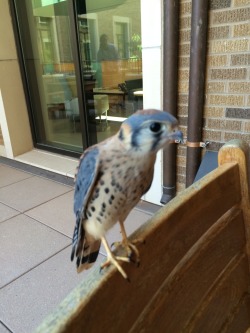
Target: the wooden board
(191, 280)
(240, 319)
(194, 272)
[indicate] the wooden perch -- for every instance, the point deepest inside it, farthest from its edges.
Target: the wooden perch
(194, 272)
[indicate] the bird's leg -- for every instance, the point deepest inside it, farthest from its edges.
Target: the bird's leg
(129, 246)
(112, 259)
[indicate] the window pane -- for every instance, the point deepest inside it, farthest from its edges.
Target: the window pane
(51, 73)
(110, 47)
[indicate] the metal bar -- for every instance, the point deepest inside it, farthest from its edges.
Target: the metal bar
(72, 11)
(19, 15)
(170, 87)
(199, 28)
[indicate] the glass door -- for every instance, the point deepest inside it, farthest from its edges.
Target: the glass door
(82, 68)
(109, 35)
(50, 71)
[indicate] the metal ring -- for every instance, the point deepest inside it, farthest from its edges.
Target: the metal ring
(193, 144)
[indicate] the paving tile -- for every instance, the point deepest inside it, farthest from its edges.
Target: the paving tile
(31, 192)
(147, 207)
(134, 221)
(37, 293)
(7, 212)
(36, 273)
(25, 243)
(10, 175)
(37, 171)
(56, 213)
(3, 329)
(49, 161)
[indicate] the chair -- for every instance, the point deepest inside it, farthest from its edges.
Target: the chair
(72, 111)
(194, 273)
(101, 103)
(132, 86)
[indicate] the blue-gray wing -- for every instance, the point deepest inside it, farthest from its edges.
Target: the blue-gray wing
(85, 180)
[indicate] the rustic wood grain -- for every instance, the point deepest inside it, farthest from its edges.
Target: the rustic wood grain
(223, 300)
(238, 151)
(239, 321)
(190, 281)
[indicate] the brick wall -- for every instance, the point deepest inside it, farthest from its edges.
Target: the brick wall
(227, 101)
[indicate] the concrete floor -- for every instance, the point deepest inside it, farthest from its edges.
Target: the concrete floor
(36, 225)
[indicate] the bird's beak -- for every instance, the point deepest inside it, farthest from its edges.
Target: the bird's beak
(176, 136)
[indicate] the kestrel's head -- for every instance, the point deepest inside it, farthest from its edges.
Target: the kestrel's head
(149, 130)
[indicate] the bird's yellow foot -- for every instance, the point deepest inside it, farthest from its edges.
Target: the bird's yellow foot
(130, 249)
(113, 260)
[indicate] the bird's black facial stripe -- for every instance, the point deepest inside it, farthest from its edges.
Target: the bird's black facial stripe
(134, 139)
(121, 135)
(157, 137)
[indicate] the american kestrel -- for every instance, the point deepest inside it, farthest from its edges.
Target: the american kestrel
(111, 178)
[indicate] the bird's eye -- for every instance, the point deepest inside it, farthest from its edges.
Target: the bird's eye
(155, 127)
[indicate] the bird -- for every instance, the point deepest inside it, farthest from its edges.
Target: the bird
(110, 180)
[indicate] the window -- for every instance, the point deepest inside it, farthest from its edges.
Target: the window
(108, 74)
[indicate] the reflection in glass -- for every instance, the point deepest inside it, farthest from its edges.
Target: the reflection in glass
(108, 33)
(51, 74)
(110, 47)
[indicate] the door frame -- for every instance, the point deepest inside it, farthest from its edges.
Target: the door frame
(72, 14)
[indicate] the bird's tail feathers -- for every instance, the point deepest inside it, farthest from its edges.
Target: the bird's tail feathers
(88, 255)
(78, 234)
(84, 247)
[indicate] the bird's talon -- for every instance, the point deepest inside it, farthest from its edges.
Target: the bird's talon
(101, 270)
(105, 264)
(132, 260)
(136, 262)
(115, 244)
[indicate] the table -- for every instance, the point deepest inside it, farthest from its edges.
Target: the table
(111, 92)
